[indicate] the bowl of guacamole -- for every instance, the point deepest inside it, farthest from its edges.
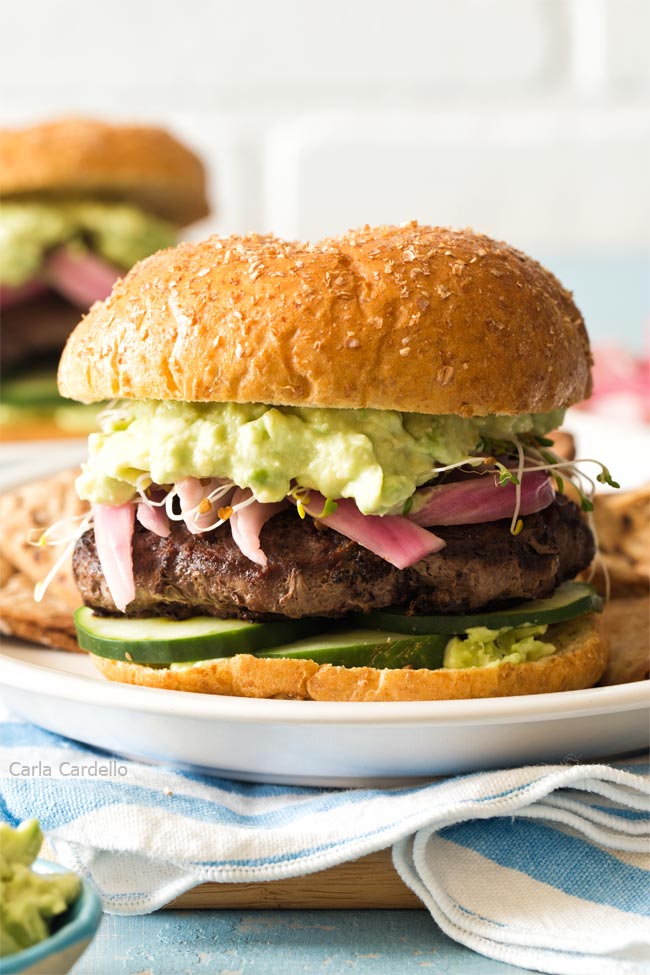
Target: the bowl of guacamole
(48, 916)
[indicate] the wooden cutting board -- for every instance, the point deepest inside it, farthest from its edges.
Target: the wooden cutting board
(370, 882)
(36, 430)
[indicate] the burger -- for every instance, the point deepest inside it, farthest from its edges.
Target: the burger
(325, 472)
(82, 202)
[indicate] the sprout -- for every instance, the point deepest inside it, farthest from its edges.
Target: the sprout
(50, 536)
(329, 508)
(517, 524)
(41, 587)
(227, 511)
(142, 485)
(301, 497)
(113, 413)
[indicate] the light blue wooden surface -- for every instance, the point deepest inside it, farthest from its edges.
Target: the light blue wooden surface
(280, 943)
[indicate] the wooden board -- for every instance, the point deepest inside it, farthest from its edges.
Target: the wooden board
(370, 882)
(36, 430)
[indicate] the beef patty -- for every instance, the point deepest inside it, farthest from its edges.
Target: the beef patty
(314, 571)
(36, 329)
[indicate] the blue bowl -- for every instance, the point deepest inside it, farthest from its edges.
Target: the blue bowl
(73, 932)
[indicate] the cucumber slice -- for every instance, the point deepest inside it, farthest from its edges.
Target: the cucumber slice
(366, 648)
(568, 601)
(157, 640)
(36, 389)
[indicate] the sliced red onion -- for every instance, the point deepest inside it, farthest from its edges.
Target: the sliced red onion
(81, 278)
(247, 522)
(190, 493)
(113, 533)
(480, 498)
(154, 519)
(10, 296)
(391, 537)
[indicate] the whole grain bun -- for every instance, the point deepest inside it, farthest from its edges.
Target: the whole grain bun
(579, 662)
(411, 318)
(85, 157)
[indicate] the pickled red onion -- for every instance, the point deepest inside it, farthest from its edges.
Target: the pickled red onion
(81, 278)
(247, 523)
(621, 384)
(10, 296)
(154, 519)
(392, 537)
(479, 499)
(113, 533)
(190, 493)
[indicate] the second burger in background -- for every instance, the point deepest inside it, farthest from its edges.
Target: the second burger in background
(83, 200)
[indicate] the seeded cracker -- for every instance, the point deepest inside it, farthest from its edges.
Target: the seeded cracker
(33, 508)
(627, 624)
(49, 622)
(29, 510)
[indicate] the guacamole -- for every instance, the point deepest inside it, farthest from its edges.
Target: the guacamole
(28, 900)
(377, 457)
(120, 232)
(482, 647)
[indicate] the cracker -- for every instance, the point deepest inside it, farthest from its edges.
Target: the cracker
(621, 521)
(49, 622)
(627, 624)
(35, 506)
(564, 444)
(6, 570)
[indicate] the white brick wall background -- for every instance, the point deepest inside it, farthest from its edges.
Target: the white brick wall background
(527, 119)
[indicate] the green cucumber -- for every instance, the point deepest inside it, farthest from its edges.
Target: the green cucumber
(568, 601)
(35, 389)
(158, 640)
(366, 648)
(386, 639)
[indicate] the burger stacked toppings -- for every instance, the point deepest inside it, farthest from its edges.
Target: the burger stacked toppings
(82, 202)
(358, 472)
(326, 471)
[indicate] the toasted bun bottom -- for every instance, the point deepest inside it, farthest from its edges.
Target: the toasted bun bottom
(579, 662)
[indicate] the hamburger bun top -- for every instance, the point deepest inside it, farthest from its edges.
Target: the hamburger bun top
(411, 318)
(84, 157)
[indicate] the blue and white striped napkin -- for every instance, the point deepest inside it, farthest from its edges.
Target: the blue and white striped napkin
(545, 867)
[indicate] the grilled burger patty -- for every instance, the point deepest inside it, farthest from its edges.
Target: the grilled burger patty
(314, 571)
(36, 328)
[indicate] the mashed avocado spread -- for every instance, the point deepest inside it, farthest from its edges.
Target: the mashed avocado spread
(120, 232)
(482, 647)
(377, 457)
(28, 900)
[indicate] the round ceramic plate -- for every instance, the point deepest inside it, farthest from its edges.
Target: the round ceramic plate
(326, 743)
(313, 743)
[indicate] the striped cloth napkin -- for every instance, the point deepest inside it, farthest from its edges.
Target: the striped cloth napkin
(544, 867)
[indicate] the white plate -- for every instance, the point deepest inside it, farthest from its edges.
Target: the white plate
(325, 743)
(310, 743)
